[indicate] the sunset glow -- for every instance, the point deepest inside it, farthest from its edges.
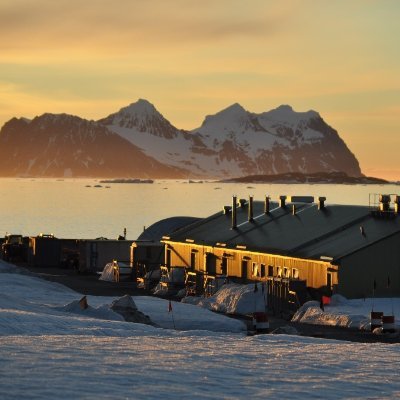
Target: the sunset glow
(193, 58)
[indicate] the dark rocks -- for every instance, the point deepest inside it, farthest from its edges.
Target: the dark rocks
(126, 307)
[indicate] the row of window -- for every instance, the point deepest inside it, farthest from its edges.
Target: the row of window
(258, 270)
(261, 271)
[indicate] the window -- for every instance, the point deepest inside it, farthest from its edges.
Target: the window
(295, 273)
(279, 272)
(270, 270)
(285, 272)
(205, 258)
(168, 258)
(254, 269)
(329, 280)
(262, 270)
(193, 259)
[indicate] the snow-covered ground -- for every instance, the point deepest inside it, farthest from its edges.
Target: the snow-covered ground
(348, 313)
(50, 349)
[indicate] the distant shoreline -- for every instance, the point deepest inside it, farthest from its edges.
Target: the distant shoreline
(336, 178)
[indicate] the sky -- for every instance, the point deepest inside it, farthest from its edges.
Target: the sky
(193, 58)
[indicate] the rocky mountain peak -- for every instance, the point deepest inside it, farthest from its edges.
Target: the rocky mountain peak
(231, 118)
(143, 117)
(285, 113)
(140, 107)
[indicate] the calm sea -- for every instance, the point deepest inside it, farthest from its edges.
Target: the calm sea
(70, 209)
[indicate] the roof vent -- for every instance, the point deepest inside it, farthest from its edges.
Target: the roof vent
(234, 202)
(227, 210)
(300, 199)
(321, 203)
(250, 215)
(397, 204)
(242, 202)
(282, 201)
(384, 202)
(266, 205)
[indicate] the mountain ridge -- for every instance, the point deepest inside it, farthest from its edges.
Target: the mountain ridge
(232, 142)
(62, 145)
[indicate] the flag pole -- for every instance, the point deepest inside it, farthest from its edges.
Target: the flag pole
(172, 313)
(255, 296)
(391, 298)
(373, 294)
(265, 299)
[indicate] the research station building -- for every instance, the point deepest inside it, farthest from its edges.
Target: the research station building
(306, 243)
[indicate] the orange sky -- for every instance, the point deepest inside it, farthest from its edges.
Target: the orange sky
(191, 58)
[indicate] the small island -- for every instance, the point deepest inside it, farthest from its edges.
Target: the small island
(314, 178)
(127, 180)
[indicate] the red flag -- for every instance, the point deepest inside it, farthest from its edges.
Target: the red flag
(170, 306)
(326, 300)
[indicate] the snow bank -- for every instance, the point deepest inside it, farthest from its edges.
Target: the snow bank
(342, 312)
(30, 305)
(108, 273)
(233, 298)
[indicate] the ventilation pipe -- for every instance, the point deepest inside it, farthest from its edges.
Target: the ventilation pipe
(266, 205)
(282, 201)
(227, 210)
(397, 204)
(250, 215)
(321, 203)
(384, 202)
(294, 209)
(234, 223)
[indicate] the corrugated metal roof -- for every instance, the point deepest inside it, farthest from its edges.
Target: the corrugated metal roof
(333, 231)
(166, 226)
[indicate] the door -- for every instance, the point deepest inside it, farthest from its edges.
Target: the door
(210, 264)
(245, 264)
(329, 280)
(168, 258)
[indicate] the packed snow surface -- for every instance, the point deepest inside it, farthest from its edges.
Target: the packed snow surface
(342, 312)
(51, 348)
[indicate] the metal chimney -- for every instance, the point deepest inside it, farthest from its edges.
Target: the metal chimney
(266, 205)
(234, 223)
(282, 201)
(321, 203)
(384, 202)
(250, 215)
(397, 204)
(227, 210)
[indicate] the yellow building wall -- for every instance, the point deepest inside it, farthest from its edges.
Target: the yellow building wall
(312, 271)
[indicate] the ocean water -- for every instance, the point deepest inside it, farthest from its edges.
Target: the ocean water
(71, 209)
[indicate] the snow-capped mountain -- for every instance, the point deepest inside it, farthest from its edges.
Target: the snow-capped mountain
(67, 146)
(139, 142)
(236, 142)
(143, 125)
